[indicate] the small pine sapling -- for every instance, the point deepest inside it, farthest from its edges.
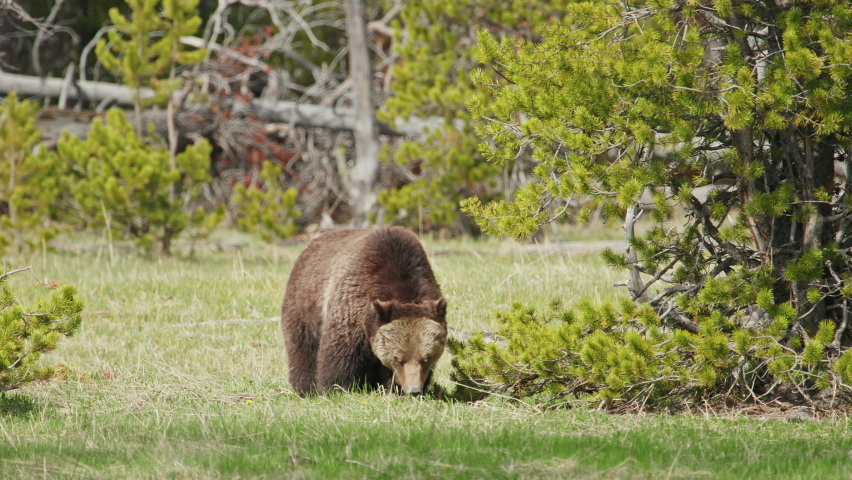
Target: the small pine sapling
(146, 46)
(30, 179)
(132, 54)
(264, 208)
(27, 331)
(118, 180)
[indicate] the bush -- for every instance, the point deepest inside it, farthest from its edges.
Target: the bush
(625, 357)
(264, 208)
(27, 332)
(30, 179)
(120, 182)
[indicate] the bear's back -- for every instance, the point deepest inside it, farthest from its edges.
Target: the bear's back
(385, 264)
(393, 266)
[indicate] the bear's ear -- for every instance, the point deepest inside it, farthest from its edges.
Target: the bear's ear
(384, 310)
(441, 309)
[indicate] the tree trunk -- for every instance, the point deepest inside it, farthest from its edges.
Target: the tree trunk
(362, 179)
(634, 282)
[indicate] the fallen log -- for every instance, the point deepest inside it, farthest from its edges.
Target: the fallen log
(292, 113)
(27, 86)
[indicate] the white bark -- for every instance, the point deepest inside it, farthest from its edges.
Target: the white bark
(634, 282)
(27, 85)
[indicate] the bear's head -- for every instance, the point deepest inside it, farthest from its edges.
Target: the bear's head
(409, 338)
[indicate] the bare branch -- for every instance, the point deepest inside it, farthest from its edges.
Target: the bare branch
(88, 48)
(225, 52)
(381, 26)
(66, 86)
(10, 273)
(48, 29)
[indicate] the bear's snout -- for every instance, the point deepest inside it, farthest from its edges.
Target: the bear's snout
(412, 378)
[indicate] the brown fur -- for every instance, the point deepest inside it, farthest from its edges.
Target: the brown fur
(357, 304)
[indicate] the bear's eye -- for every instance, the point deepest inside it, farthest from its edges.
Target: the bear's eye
(400, 361)
(424, 360)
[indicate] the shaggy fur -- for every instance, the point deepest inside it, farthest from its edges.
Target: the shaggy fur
(363, 307)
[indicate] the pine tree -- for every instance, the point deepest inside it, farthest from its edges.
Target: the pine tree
(183, 20)
(140, 58)
(30, 179)
(120, 182)
(136, 60)
(435, 42)
(669, 96)
(28, 331)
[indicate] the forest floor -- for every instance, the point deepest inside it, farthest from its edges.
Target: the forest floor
(178, 372)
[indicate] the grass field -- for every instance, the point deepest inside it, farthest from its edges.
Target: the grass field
(178, 372)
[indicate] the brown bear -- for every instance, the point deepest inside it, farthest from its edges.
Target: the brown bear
(363, 308)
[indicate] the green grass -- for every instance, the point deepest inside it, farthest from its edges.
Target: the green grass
(178, 372)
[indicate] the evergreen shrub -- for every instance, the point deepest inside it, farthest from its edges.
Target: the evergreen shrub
(124, 184)
(27, 331)
(264, 208)
(30, 180)
(624, 356)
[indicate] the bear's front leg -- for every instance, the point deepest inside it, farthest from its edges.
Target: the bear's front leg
(341, 363)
